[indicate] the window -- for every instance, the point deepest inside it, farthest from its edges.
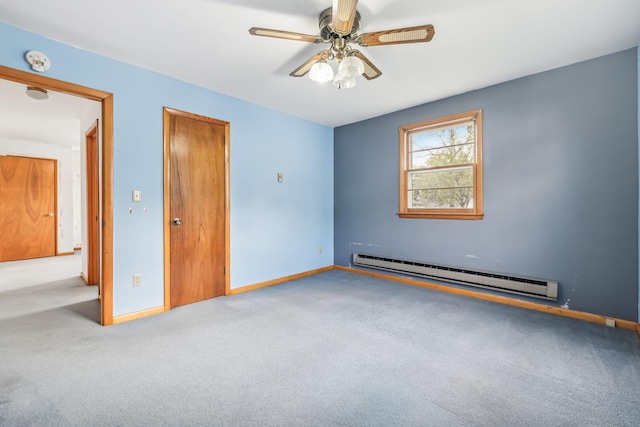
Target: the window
(441, 168)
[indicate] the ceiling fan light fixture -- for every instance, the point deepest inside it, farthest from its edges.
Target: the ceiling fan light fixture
(37, 93)
(321, 72)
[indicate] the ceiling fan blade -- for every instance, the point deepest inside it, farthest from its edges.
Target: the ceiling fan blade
(278, 34)
(343, 14)
(304, 68)
(419, 34)
(370, 71)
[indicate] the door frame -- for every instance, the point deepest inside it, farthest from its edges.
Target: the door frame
(167, 113)
(92, 179)
(106, 99)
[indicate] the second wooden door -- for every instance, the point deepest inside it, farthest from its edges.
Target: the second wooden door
(197, 159)
(27, 208)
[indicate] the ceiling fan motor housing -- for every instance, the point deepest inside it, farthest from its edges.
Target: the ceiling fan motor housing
(327, 32)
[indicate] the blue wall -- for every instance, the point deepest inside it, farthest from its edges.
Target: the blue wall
(560, 185)
(275, 228)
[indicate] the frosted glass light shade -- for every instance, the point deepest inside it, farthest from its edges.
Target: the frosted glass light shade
(321, 72)
(344, 82)
(351, 66)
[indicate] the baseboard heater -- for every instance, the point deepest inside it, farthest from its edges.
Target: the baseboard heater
(539, 288)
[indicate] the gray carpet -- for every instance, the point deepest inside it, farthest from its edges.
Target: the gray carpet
(331, 349)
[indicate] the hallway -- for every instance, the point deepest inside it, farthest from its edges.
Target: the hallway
(50, 285)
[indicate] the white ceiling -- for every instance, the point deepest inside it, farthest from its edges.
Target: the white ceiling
(206, 42)
(55, 120)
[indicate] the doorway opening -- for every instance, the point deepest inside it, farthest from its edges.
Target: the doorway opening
(105, 192)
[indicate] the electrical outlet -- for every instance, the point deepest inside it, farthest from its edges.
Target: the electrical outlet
(611, 323)
(319, 249)
(137, 280)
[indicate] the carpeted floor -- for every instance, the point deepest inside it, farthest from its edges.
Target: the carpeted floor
(331, 349)
(37, 271)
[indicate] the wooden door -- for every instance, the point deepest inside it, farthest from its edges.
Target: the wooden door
(93, 206)
(197, 212)
(28, 214)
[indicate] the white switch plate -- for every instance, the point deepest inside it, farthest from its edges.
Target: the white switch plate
(137, 280)
(136, 196)
(280, 177)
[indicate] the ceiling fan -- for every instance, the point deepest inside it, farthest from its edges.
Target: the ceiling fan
(339, 26)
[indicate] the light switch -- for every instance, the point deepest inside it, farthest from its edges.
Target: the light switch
(280, 177)
(136, 196)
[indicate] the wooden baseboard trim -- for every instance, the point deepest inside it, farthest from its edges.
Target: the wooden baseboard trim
(137, 315)
(65, 253)
(565, 312)
(84, 278)
(248, 288)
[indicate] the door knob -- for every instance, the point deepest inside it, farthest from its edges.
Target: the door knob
(176, 221)
(50, 214)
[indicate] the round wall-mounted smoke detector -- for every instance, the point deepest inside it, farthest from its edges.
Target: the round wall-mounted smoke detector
(38, 60)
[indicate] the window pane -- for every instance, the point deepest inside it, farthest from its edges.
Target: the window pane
(442, 188)
(451, 155)
(452, 198)
(442, 137)
(441, 178)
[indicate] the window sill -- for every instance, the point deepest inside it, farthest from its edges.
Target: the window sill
(466, 216)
